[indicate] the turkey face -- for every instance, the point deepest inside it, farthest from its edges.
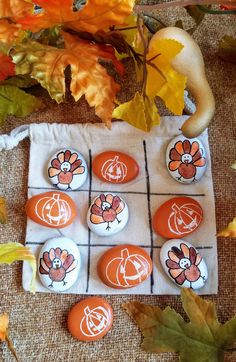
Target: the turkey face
(184, 263)
(65, 167)
(105, 206)
(56, 264)
(186, 158)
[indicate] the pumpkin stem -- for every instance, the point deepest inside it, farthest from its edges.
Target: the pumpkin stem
(124, 253)
(56, 196)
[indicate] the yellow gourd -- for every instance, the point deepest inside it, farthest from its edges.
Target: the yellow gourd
(190, 63)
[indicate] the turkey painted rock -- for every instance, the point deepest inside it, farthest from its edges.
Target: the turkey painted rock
(53, 209)
(115, 167)
(67, 169)
(124, 266)
(107, 215)
(177, 217)
(183, 264)
(186, 159)
(90, 319)
(59, 264)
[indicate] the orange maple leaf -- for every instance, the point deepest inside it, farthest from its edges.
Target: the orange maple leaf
(4, 322)
(15, 8)
(94, 16)
(7, 67)
(10, 33)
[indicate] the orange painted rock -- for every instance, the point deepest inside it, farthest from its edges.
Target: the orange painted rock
(177, 217)
(124, 266)
(90, 319)
(54, 209)
(115, 167)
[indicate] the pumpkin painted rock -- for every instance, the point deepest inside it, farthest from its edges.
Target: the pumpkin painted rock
(67, 170)
(115, 167)
(186, 159)
(59, 264)
(90, 319)
(107, 215)
(183, 264)
(54, 209)
(177, 217)
(124, 266)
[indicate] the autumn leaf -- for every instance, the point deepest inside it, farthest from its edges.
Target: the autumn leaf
(138, 112)
(20, 81)
(3, 211)
(11, 252)
(16, 102)
(88, 77)
(162, 80)
(10, 33)
(94, 15)
(201, 339)
(227, 49)
(15, 8)
(229, 231)
(7, 67)
(4, 323)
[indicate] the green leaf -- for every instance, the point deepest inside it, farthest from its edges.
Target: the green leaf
(227, 49)
(15, 102)
(20, 81)
(196, 14)
(201, 339)
(11, 252)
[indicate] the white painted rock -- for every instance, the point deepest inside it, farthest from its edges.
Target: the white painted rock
(59, 264)
(107, 215)
(182, 263)
(67, 169)
(186, 159)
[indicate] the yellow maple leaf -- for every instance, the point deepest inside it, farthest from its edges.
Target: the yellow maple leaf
(3, 211)
(230, 230)
(15, 8)
(95, 15)
(162, 79)
(138, 112)
(4, 323)
(11, 252)
(89, 78)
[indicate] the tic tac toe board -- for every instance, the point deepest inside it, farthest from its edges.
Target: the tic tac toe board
(144, 195)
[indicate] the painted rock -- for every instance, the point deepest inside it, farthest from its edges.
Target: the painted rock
(186, 159)
(115, 167)
(107, 215)
(90, 319)
(182, 263)
(59, 264)
(124, 266)
(177, 217)
(67, 170)
(54, 209)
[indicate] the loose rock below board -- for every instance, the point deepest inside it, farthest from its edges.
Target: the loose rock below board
(115, 167)
(67, 169)
(183, 264)
(124, 266)
(59, 264)
(53, 209)
(177, 217)
(186, 159)
(107, 215)
(90, 319)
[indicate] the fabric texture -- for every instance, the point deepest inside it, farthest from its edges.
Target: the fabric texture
(38, 323)
(144, 195)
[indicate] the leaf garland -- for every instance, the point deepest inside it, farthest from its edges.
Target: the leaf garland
(201, 339)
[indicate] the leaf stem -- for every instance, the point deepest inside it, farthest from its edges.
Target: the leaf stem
(145, 47)
(11, 348)
(138, 9)
(123, 29)
(231, 349)
(155, 18)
